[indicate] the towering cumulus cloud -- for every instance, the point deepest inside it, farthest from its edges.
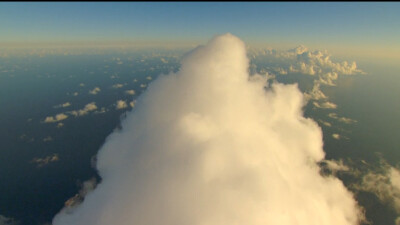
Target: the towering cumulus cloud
(211, 146)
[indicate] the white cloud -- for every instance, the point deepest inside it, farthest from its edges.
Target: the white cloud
(336, 136)
(132, 104)
(336, 165)
(75, 94)
(95, 91)
(102, 110)
(341, 119)
(117, 86)
(149, 78)
(59, 125)
(325, 123)
(121, 104)
(143, 85)
(209, 146)
(325, 105)
(315, 63)
(46, 160)
(58, 117)
(315, 93)
(130, 92)
(64, 105)
(88, 107)
(74, 201)
(82, 84)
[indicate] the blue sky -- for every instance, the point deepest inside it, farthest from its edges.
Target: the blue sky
(286, 23)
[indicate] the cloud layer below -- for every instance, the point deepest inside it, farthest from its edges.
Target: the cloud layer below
(211, 145)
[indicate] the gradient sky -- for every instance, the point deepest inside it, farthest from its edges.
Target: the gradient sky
(334, 24)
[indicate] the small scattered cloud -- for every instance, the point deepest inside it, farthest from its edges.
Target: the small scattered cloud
(63, 105)
(121, 104)
(95, 91)
(53, 119)
(130, 92)
(341, 119)
(82, 84)
(48, 138)
(75, 94)
(335, 165)
(143, 85)
(88, 107)
(117, 86)
(149, 78)
(336, 136)
(325, 105)
(325, 123)
(315, 93)
(102, 110)
(46, 160)
(74, 201)
(59, 125)
(132, 104)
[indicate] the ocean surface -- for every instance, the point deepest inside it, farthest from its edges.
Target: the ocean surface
(43, 164)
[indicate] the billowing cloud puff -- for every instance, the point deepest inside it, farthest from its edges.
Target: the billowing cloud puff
(95, 91)
(208, 145)
(88, 107)
(315, 93)
(121, 104)
(58, 117)
(301, 60)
